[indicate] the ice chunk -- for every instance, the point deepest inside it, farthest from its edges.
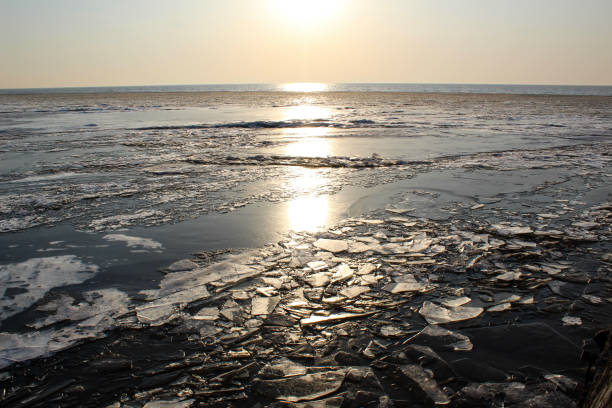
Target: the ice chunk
(370, 279)
(317, 265)
(455, 301)
(391, 331)
(333, 300)
(366, 269)
(240, 295)
(505, 298)
(331, 245)
(402, 287)
(354, 291)
(317, 280)
(207, 313)
(509, 230)
(263, 305)
(443, 339)
(282, 367)
(420, 243)
(435, 314)
(266, 291)
(562, 381)
(500, 308)
(416, 374)
(332, 318)
(157, 315)
(231, 269)
(34, 277)
(343, 272)
(182, 265)
(303, 387)
(355, 247)
(509, 276)
(182, 297)
(436, 249)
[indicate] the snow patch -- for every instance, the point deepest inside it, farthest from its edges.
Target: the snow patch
(134, 242)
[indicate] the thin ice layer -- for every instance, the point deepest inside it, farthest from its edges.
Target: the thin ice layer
(22, 284)
(89, 319)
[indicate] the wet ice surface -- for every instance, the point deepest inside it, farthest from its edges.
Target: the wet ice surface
(24, 283)
(423, 251)
(216, 152)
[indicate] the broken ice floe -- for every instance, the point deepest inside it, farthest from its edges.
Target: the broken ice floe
(331, 245)
(305, 387)
(263, 305)
(182, 265)
(22, 284)
(511, 230)
(21, 347)
(435, 314)
(92, 317)
(423, 379)
(439, 338)
(333, 301)
(363, 308)
(102, 302)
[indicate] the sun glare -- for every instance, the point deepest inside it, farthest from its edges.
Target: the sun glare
(308, 147)
(306, 12)
(308, 213)
(304, 87)
(305, 112)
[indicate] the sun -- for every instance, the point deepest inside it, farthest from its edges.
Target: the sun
(306, 12)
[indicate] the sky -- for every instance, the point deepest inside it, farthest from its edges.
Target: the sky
(57, 43)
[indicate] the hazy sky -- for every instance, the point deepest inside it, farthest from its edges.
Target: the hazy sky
(49, 43)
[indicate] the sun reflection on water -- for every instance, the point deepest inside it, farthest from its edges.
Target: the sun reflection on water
(304, 87)
(307, 141)
(309, 211)
(306, 112)
(308, 147)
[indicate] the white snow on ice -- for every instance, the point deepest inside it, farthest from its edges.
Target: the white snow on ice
(134, 242)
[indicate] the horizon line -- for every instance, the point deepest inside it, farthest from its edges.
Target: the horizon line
(300, 82)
